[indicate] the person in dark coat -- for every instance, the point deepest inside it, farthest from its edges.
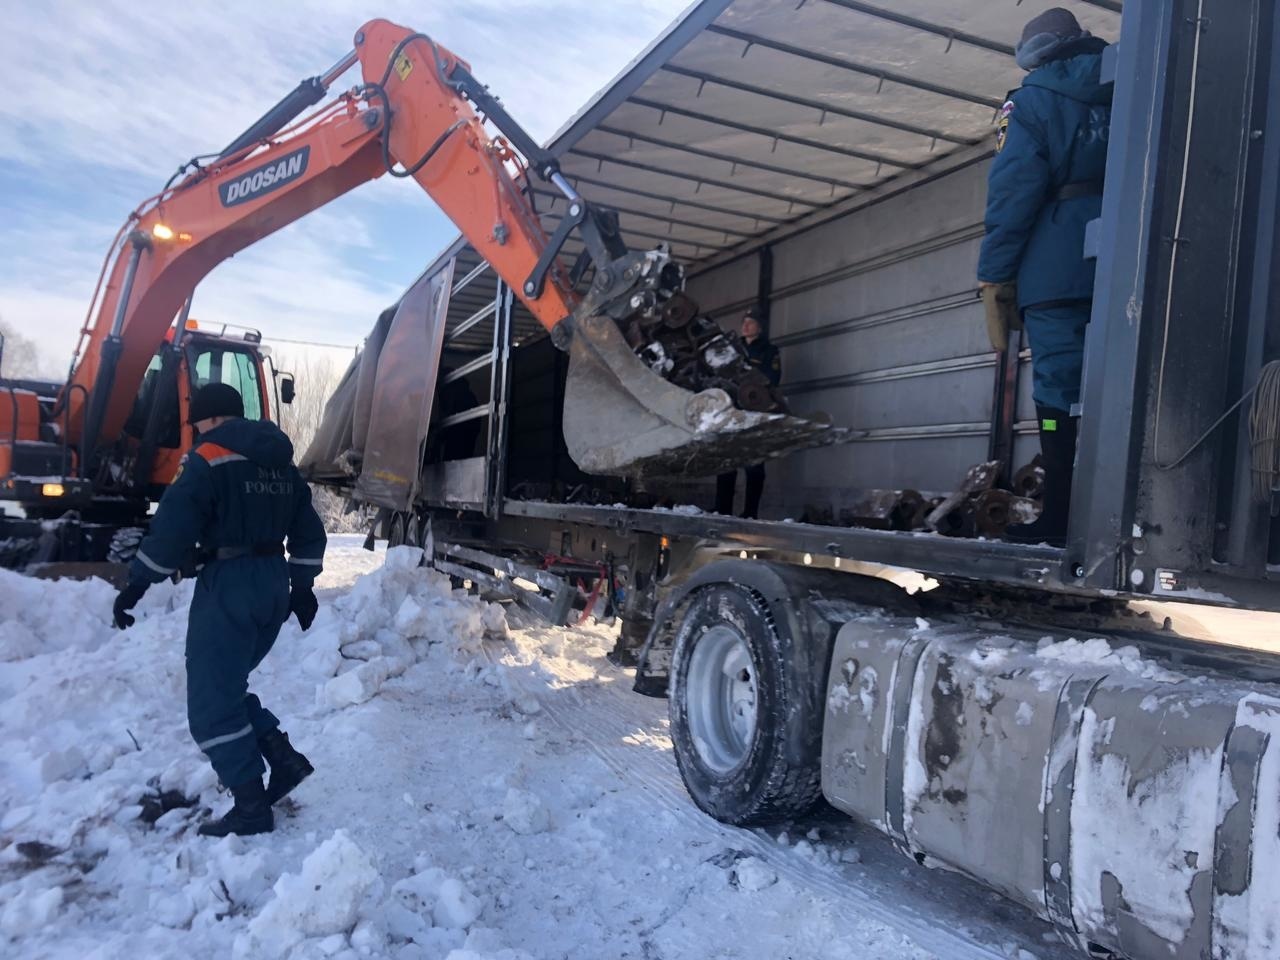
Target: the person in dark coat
(1044, 186)
(239, 497)
(764, 356)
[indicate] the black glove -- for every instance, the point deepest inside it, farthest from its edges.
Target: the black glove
(303, 604)
(127, 600)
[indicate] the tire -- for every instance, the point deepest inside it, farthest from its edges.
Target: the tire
(413, 531)
(396, 531)
(746, 724)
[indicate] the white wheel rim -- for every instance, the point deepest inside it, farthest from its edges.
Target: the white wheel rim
(721, 698)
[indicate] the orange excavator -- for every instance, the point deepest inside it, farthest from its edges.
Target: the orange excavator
(94, 452)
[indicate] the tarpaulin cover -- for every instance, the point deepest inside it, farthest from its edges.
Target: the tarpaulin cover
(366, 377)
(748, 119)
(375, 424)
(324, 456)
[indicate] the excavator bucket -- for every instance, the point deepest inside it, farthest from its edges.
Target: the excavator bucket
(623, 419)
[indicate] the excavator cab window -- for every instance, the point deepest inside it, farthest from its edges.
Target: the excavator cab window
(219, 363)
(166, 420)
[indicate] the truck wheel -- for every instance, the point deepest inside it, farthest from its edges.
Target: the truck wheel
(747, 734)
(395, 531)
(413, 531)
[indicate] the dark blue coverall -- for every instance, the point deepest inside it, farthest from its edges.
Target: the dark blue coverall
(764, 356)
(238, 492)
(1045, 184)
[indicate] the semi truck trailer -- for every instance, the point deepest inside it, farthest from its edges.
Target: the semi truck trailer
(1012, 711)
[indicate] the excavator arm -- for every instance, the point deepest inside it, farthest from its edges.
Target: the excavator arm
(173, 240)
(415, 116)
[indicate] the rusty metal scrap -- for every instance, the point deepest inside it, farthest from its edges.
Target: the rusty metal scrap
(875, 509)
(981, 476)
(997, 510)
(690, 350)
(977, 508)
(1029, 480)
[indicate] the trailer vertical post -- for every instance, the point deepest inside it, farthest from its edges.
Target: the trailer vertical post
(1110, 424)
(499, 394)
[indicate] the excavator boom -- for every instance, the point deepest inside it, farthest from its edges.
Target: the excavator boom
(415, 116)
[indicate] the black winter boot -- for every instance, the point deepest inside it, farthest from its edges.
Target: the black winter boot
(725, 482)
(251, 813)
(1058, 453)
(288, 767)
(755, 490)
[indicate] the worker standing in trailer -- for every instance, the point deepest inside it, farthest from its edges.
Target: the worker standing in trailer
(764, 356)
(1044, 186)
(240, 497)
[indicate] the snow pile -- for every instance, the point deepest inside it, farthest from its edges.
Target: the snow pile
(321, 900)
(429, 899)
(85, 717)
(101, 785)
(29, 911)
(32, 625)
(525, 813)
(388, 621)
(753, 874)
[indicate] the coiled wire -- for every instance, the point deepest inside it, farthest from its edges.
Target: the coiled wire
(1264, 433)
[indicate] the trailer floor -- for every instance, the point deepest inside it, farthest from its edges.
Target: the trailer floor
(503, 793)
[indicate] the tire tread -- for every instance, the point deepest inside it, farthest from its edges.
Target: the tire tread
(792, 789)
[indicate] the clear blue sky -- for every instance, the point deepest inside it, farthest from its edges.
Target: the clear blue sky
(106, 99)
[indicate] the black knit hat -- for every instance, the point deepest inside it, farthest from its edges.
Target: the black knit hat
(1057, 21)
(215, 400)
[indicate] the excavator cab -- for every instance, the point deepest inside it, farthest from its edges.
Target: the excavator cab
(40, 469)
(239, 364)
(158, 422)
(41, 478)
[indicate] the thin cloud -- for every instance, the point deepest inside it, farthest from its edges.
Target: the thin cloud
(126, 91)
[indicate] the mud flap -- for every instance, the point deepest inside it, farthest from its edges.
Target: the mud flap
(622, 419)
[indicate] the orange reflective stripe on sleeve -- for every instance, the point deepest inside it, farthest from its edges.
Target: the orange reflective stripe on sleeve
(214, 454)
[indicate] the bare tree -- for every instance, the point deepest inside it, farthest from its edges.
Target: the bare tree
(316, 377)
(21, 357)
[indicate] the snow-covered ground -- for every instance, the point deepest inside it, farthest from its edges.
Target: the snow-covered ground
(484, 789)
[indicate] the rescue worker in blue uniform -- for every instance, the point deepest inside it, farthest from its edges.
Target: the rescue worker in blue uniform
(1044, 186)
(764, 356)
(240, 498)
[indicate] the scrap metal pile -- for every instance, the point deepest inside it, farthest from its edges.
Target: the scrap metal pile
(977, 508)
(691, 351)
